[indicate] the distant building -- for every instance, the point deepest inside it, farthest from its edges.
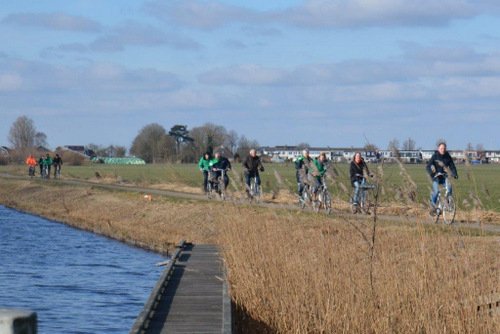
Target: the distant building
(80, 149)
(4, 151)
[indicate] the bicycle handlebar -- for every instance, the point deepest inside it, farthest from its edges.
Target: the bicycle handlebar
(220, 169)
(440, 174)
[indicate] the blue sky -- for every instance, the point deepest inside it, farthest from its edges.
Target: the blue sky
(336, 72)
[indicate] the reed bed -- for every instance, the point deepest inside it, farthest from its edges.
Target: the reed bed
(308, 276)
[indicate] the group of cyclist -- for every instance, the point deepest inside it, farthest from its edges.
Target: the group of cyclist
(45, 164)
(215, 167)
(311, 171)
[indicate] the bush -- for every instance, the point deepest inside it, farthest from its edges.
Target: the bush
(71, 158)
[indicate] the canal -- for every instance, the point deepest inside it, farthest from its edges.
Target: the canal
(76, 281)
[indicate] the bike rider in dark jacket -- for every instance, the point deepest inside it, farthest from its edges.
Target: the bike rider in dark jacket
(57, 163)
(302, 165)
(252, 165)
(440, 161)
(220, 163)
(357, 170)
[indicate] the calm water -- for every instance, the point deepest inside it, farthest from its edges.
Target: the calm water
(77, 282)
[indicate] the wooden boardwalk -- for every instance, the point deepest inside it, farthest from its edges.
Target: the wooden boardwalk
(193, 298)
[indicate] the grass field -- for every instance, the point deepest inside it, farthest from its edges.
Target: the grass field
(478, 186)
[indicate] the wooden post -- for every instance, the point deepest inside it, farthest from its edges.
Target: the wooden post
(17, 321)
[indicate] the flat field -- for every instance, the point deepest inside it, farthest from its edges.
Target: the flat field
(478, 187)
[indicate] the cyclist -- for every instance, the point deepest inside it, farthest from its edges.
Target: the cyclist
(439, 162)
(217, 164)
(47, 162)
(252, 165)
(40, 164)
(357, 169)
(204, 165)
(302, 165)
(318, 169)
(31, 162)
(57, 163)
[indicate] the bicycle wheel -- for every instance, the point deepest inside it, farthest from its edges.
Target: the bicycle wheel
(317, 204)
(449, 209)
(304, 199)
(327, 202)
(222, 189)
(365, 202)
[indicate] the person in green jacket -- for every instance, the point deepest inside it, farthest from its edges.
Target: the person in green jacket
(318, 170)
(204, 165)
(47, 163)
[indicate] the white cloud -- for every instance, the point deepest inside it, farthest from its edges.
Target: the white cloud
(199, 14)
(247, 74)
(135, 34)
(359, 13)
(10, 82)
(319, 13)
(54, 21)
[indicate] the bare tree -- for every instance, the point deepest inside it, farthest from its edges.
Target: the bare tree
(469, 147)
(41, 139)
(22, 133)
(208, 137)
(409, 145)
(393, 146)
(480, 152)
(370, 148)
(302, 146)
(153, 144)
(232, 141)
(244, 146)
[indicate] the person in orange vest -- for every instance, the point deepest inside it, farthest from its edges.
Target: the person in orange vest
(31, 162)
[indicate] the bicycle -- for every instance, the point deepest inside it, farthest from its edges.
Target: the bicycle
(324, 199)
(364, 201)
(57, 171)
(45, 172)
(306, 197)
(445, 206)
(31, 171)
(254, 190)
(215, 184)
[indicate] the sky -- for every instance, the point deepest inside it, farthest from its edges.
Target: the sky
(338, 73)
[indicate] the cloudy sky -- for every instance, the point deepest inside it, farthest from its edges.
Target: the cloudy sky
(326, 72)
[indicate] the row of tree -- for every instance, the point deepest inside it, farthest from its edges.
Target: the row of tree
(155, 144)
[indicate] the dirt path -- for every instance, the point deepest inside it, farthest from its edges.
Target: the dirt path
(408, 219)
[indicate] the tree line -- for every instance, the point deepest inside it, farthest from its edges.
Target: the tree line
(153, 143)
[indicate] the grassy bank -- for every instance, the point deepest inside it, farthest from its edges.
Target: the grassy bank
(299, 272)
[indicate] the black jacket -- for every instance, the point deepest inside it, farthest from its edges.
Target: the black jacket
(223, 163)
(357, 169)
(440, 162)
(252, 164)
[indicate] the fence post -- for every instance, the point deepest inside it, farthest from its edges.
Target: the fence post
(15, 321)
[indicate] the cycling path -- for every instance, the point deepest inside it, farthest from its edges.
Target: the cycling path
(491, 228)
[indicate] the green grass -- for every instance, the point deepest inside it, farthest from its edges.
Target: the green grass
(478, 186)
